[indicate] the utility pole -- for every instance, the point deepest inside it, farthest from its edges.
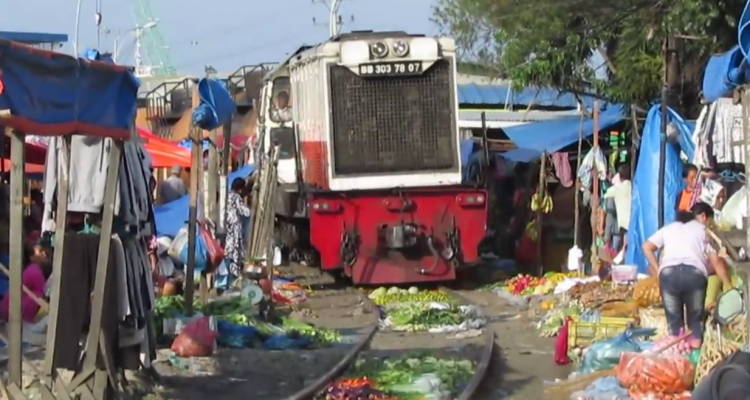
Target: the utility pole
(668, 54)
(335, 22)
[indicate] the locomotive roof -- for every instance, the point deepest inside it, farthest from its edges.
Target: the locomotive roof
(360, 35)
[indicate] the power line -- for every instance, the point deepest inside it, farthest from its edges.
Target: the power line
(238, 51)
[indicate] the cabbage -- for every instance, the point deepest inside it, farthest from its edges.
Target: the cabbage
(413, 290)
(394, 290)
(379, 292)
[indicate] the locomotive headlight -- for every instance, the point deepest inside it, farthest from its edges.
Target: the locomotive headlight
(400, 48)
(379, 49)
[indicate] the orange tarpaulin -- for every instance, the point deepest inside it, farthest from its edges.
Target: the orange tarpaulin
(164, 154)
(30, 168)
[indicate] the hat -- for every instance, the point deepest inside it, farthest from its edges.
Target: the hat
(176, 170)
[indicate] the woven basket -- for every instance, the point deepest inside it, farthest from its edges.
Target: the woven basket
(713, 349)
(654, 318)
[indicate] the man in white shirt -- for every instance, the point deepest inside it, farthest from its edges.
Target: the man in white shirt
(622, 193)
(282, 112)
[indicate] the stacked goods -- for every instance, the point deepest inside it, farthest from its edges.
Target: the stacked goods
(654, 318)
(646, 292)
(619, 309)
(523, 285)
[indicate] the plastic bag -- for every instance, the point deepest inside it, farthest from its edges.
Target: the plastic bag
(236, 336)
(654, 375)
(196, 340)
(201, 254)
(179, 242)
(429, 386)
(606, 353)
(602, 389)
(283, 342)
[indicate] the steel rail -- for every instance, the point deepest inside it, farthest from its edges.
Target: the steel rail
(468, 392)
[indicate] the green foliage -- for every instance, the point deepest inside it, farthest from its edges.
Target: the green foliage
(548, 42)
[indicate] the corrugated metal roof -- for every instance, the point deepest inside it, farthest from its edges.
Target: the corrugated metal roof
(502, 93)
(34, 37)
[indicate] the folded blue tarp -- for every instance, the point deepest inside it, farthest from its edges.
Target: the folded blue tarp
(170, 217)
(644, 213)
(723, 74)
(49, 93)
(216, 105)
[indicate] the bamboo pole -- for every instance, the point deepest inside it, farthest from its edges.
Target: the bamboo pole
(577, 215)
(595, 188)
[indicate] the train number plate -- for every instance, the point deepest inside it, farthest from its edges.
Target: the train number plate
(391, 68)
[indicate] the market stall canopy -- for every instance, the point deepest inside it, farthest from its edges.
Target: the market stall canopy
(49, 93)
(36, 169)
(535, 138)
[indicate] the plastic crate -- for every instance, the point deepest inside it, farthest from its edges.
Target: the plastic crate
(624, 273)
(582, 334)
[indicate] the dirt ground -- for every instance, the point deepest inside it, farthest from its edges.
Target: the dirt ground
(272, 375)
(523, 361)
(521, 364)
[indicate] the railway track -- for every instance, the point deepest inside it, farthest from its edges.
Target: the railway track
(377, 343)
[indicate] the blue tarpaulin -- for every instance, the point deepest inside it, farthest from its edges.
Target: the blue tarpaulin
(723, 74)
(170, 217)
(644, 213)
(535, 138)
(49, 93)
(216, 105)
(188, 144)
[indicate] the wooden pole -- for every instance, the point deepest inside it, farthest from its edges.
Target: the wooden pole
(195, 168)
(225, 167)
(577, 215)
(61, 218)
(595, 187)
(743, 266)
(17, 182)
(538, 218)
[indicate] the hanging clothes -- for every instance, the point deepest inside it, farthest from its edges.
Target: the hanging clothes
(77, 281)
(727, 136)
(593, 160)
(562, 168)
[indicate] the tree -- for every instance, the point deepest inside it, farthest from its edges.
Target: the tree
(549, 43)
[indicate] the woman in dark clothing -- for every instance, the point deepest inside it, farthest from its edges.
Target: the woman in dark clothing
(235, 242)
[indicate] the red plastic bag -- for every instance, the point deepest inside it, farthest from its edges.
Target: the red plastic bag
(197, 339)
(561, 344)
(215, 251)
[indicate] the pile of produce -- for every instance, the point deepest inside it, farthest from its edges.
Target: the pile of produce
(415, 317)
(550, 324)
(383, 296)
(593, 294)
(646, 292)
(524, 285)
(235, 315)
(405, 378)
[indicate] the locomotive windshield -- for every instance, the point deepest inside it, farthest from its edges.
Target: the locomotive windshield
(284, 137)
(281, 105)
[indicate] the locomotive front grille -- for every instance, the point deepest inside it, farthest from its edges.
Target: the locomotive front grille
(393, 124)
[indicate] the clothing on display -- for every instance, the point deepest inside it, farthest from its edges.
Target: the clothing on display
(129, 289)
(562, 168)
(727, 132)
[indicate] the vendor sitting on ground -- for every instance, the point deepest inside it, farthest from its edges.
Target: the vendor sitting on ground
(685, 256)
(34, 278)
(168, 280)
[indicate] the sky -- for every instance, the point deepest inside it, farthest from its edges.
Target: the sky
(225, 34)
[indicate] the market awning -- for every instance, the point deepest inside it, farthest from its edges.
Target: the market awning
(535, 138)
(164, 154)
